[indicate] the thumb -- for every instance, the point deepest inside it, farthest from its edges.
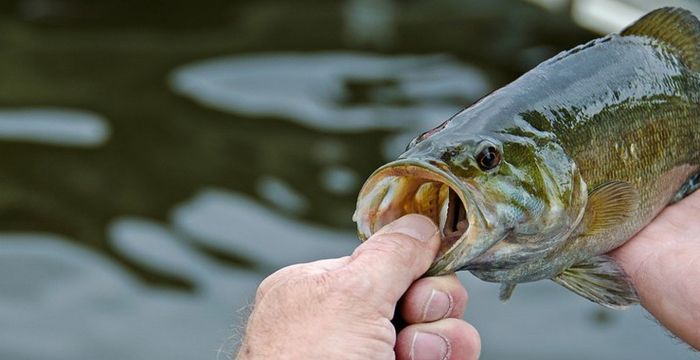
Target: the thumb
(398, 254)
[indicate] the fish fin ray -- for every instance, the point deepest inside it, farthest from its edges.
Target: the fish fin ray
(691, 185)
(601, 280)
(506, 291)
(676, 27)
(609, 205)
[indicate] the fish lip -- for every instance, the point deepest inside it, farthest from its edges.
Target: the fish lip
(429, 170)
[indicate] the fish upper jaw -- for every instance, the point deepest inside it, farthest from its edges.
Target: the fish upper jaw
(428, 188)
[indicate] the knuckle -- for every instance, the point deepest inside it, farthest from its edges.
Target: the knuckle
(273, 280)
(352, 284)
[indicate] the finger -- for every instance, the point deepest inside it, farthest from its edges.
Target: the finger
(395, 256)
(434, 298)
(447, 339)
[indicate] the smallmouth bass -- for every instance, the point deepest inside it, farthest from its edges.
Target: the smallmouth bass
(541, 178)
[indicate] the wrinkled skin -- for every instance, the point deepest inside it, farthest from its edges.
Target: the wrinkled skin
(342, 308)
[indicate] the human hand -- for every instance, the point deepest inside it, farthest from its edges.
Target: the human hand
(342, 308)
(663, 262)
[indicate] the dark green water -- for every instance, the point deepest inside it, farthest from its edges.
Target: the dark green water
(211, 125)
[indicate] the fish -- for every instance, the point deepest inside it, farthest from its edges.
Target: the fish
(543, 177)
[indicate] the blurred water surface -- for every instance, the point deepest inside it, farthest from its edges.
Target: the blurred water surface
(161, 158)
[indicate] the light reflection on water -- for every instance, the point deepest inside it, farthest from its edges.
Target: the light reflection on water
(316, 90)
(206, 158)
(58, 126)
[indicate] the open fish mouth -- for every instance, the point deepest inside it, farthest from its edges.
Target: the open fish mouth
(405, 187)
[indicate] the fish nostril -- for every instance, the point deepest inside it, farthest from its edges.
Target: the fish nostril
(439, 164)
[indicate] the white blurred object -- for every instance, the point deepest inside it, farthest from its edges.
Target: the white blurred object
(369, 22)
(340, 179)
(55, 126)
(282, 195)
(312, 89)
(611, 16)
(551, 5)
(605, 16)
(238, 225)
(64, 302)
(154, 246)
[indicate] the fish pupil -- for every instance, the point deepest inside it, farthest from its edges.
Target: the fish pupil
(488, 158)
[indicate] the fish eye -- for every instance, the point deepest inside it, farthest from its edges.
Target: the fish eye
(488, 158)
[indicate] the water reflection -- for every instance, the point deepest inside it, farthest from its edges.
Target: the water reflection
(334, 91)
(338, 91)
(236, 224)
(339, 180)
(280, 194)
(57, 126)
(204, 146)
(60, 301)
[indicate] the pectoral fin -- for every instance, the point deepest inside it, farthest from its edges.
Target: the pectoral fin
(609, 205)
(601, 280)
(506, 291)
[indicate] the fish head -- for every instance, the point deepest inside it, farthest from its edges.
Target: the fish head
(499, 197)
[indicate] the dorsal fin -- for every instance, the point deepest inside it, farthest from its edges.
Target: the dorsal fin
(676, 27)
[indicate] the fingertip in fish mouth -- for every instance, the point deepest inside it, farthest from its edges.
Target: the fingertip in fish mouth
(402, 188)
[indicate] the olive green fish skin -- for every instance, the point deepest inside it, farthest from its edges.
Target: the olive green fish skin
(620, 108)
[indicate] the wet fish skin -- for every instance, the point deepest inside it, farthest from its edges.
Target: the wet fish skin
(594, 142)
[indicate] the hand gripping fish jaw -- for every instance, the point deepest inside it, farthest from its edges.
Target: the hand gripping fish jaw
(426, 187)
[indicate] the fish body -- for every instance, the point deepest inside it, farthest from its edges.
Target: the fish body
(542, 177)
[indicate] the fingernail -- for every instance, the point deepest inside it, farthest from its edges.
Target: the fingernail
(438, 306)
(428, 346)
(416, 226)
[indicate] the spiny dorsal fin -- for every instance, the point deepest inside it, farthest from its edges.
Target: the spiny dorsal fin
(601, 280)
(676, 27)
(609, 205)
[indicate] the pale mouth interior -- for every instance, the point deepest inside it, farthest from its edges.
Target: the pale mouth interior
(400, 195)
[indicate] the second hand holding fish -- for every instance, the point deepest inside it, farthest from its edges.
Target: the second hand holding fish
(663, 262)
